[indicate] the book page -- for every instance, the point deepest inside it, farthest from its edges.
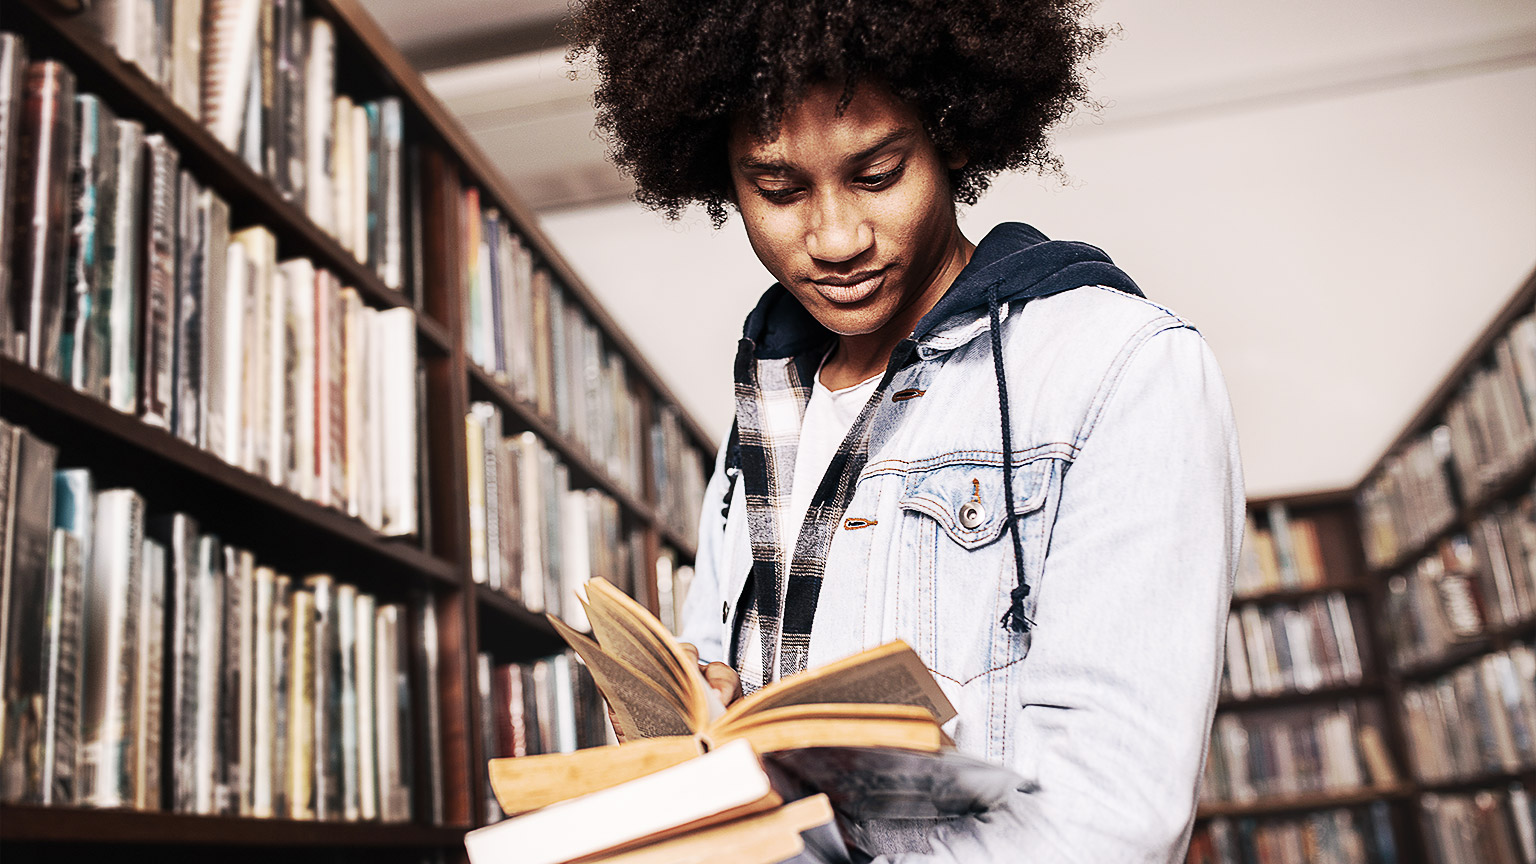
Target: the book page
(642, 708)
(641, 632)
(889, 674)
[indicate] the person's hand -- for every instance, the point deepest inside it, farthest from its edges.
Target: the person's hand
(719, 676)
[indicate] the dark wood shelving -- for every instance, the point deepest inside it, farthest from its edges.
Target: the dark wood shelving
(1516, 481)
(1304, 803)
(1292, 595)
(511, 631)
(1488, 780)
(1463, 652)
(1367, 688)
(179, 476)
(253, 200)
(128, 827)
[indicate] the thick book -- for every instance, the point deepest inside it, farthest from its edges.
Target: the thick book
(228, 57)
(299, 364)
(117, 319)
(365, 660)
(178, 533)
(223, 314)
(346, 682)
(73, 519)
(149, 694)
(237, 693)
(326, 669)
(190, 341)
(114, 586)
(301, 706)
(93, 165)
(158, 311)
(427, 670)
(710, 791)
(392, 715)
(397, 423)
(883, 697)
(263, 692)
(43, 203)
(22, 678)
(13, 74)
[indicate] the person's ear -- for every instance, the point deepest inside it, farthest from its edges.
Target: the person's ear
(956, 160)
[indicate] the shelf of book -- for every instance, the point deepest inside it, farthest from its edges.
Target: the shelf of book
(1462, 652)
(253, 199)
(183, 476)
(531, 634)
(128, 827)
(1302, 697)
(1489, 780)
(1292, 595)
(1302, 803)
(1517, 480)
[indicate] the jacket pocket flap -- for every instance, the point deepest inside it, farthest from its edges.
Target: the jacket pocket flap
(966, 497)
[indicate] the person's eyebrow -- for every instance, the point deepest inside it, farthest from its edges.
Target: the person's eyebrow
(779, 166)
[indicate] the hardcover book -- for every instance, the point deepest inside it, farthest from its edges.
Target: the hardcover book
(37, 297)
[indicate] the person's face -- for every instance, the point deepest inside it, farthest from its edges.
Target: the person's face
(851, 213)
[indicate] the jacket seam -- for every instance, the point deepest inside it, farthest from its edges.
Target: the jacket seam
(1015, 661)
(1111, 383)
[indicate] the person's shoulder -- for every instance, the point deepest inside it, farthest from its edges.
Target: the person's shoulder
(1099, 309)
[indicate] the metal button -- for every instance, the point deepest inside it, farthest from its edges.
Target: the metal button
(971, 515)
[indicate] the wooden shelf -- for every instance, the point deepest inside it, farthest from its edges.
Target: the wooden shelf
(1479, 781)
(175, 475)
(1368, 688)
(1303, 803)
(128, 827)
(1463, 652)
(512, 632)
(253, 200)
(1293, 595)
(1515, 482)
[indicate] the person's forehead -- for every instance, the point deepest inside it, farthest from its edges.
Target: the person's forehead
(813, 127)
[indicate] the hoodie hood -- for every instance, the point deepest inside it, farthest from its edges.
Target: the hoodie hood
(1020, 261)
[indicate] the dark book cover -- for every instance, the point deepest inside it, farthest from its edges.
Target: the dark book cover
(533, 724)
(234, 689)
(292, 57)
(178, 534)
(275, 28)
(61, 667)
(373, 190)
(13, 76)
(157, 324)
(43, 203)
(117, 322)
(346, 685)
(327, 698)
(426, 671)
(149, 692)
(189, 360)
(282, 662)
(25, 592)
(495, 293)
(414, 247)
(489, 747)
(95, 125)
(389, 227)
(262, 112)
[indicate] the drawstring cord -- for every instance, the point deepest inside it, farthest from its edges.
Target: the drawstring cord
(1014, 618)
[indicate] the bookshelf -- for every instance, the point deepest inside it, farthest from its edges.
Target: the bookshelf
(294, 534)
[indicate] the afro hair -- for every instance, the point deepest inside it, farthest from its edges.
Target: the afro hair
(989, 77)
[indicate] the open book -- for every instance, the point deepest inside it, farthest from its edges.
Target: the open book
(882, 698)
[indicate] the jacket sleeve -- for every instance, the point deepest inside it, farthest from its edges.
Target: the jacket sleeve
(1120, 683)
(700, 622)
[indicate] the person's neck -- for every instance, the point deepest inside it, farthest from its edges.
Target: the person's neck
(860, 357)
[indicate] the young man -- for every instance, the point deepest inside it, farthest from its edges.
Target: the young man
(999, 453)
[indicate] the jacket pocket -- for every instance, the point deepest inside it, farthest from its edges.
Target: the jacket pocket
(959, 563)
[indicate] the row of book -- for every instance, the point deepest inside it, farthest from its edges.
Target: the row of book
(550, 705)
(146, 299)
(1280, 552)
(1479, 718)
(679, 472)
(1295, 751)
(1293, 647)
(673, 579)
(261, 75)
(1488, 432)
(1473, 583)
(531, 535)
(1338, 836)
(524, 329)
(150, 666)
(1490, 826)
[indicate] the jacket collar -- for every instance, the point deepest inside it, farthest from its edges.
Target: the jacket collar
(1021, 261)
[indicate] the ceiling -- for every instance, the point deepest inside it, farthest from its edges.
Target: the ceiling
(1339, 193)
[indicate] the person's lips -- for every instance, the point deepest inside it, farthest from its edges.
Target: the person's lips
(851, 288)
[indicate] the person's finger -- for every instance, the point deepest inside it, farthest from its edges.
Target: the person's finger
(613, 720)
(692, 652)
(724, 680)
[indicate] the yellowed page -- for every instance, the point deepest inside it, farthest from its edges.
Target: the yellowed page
(888, 674)
(766, 838)
(641, 628)
(525, 783)
(621, 641)
(910, 732)
(642, 707)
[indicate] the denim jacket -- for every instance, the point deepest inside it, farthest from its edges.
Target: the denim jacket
(1128, 495)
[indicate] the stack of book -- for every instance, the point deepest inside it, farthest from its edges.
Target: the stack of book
(1474, 583)
(680, 473)
(262, 77)
(532, 536)
(1478, 719)
(550, 705)
(1294, 647)
(524, 329)
(1339, 836)
(1284, 553)
(1488, 433)
(1295, 751)
(1492, 826)
(146, 299)
(150, 666)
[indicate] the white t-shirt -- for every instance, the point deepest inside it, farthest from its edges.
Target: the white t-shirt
(828, 417)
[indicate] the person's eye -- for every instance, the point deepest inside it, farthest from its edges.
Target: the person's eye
(882, 179)
(778, 194)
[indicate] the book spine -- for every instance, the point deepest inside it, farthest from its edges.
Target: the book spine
(149, 694)
(488, 745)
(157, 328)
(374, 408)
(48, 134)
(474, 439)
(235, 687)
(23, 594)
(84, 242)
(187, 55)
(301, 706)
(346, 649)
(207, 685)
(321, 386)
(263, 691)
(300, 367)
(319, 125)
(393, 735)
(355, 383)
(178, 533)
(326, 700)
(366, 664)
(359, 139)
(282, 690)
(61, 669)
(391, 266)
(235, 381)
(425, 670)
(275, 358)
(112, 599)
(221, 364)
(342, 172)
(335, 387)
(120, 321)
(13, 76)
(189, 339)
(370, 202)
(291, 84)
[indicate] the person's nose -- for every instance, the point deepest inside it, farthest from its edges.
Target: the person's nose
(838, 230)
